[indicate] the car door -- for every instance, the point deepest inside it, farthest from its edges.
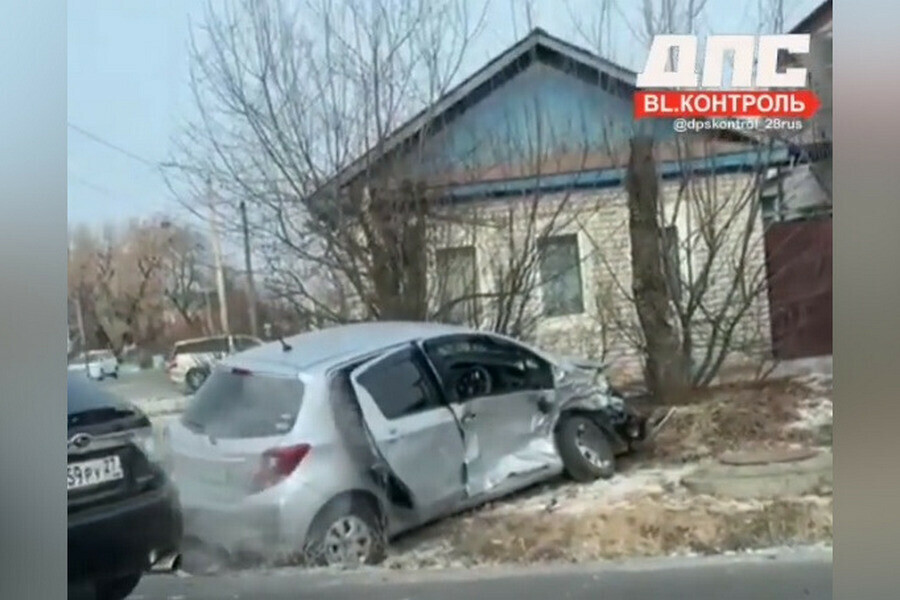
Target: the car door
(507, 428)
(414, 431)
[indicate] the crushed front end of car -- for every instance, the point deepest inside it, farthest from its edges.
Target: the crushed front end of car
(582, 385)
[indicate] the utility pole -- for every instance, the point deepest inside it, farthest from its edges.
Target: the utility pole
(79, 315)
(217, 253)
(207, 312)
(248, 264)
(79, 310)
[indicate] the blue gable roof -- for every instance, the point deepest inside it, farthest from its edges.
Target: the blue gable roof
(540, 110)
(542, 98)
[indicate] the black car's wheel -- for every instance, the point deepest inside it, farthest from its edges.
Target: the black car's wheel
(347, 533)
(585, 449)
(195, 378)
(118, 588)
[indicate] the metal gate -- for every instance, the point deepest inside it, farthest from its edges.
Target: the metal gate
(798, 262)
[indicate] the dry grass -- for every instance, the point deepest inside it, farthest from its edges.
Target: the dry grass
(645, 528)
(729, 417)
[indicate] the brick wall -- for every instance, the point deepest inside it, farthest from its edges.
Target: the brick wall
(607, 328)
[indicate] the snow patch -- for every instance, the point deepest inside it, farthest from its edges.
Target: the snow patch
(576, 497)
(815, 413)
(161, 406)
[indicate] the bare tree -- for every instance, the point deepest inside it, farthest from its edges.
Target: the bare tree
(117, 280)
(666, 369)
(184, 269)
(81, 284)
(297, 107)
(703, 247)
(696, 277)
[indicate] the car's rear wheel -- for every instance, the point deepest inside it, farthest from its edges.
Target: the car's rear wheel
(585, 449)
(118, 588)
(195, 378)
(347, 533)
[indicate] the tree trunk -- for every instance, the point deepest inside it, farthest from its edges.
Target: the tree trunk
(666, 369)
(399, 266)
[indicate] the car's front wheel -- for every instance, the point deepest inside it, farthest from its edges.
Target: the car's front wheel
(118, 588)
(585, 449)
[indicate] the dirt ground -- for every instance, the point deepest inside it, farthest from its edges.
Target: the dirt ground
(651, 526)
(644, 510)
(742, 416)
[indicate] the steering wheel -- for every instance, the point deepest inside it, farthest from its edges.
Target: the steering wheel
(475, 381)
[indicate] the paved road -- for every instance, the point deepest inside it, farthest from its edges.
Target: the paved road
(142, 385)
(789, 575)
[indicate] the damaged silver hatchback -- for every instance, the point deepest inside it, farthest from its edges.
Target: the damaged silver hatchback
(325, 445)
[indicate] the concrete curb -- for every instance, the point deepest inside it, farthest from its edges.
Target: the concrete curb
(764, 480)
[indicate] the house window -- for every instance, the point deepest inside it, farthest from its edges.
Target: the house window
(457, 284)
(672, 258)
(560, 267)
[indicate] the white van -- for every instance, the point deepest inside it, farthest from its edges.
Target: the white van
(190, 360)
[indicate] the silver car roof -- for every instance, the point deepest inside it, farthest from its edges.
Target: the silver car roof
(322, 349)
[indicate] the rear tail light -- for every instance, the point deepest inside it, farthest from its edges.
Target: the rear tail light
(171, 366)
(277, 464)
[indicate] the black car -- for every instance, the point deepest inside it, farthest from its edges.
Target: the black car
(124, 513)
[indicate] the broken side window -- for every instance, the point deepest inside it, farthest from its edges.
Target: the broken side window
(498, 367)
(400, 386)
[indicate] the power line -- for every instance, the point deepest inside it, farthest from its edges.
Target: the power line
(112, 146)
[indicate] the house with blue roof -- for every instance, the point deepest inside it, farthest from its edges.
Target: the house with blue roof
(524, 163)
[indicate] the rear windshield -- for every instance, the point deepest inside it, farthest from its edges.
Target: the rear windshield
(238, 405)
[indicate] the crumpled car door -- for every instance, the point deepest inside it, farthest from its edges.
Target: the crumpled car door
(413, 431)
(507, 435)
(508, 432)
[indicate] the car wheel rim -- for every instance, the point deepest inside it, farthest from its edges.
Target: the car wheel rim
(587, 444)
(348, 542)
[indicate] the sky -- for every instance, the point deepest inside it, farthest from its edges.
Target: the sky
(128, 94)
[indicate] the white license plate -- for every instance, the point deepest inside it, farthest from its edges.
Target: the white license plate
(94, 472)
